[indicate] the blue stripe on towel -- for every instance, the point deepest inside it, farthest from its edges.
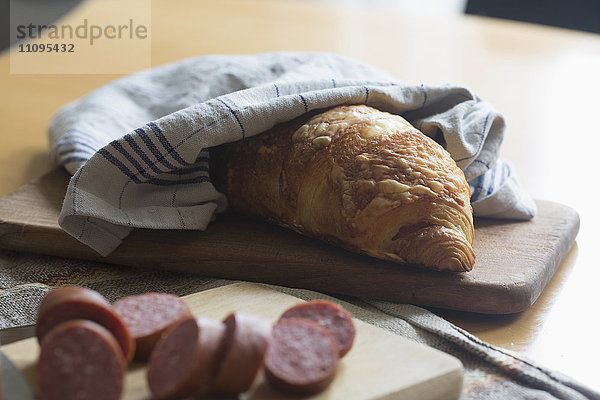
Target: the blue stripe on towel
(477, 184)
(304, 102)
(77, 144)
(485, 185)
(73, 159)
(141, 171)
(153, 149)
(236, 117)
(75, 150)
(492, 183)
(198, 168)
(131, 141)
(168, 147)
(81, 136)
(152, 180)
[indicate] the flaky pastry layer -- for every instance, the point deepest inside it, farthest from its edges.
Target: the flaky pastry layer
(358, 177)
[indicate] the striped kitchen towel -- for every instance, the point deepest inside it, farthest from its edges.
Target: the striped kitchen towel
(137, 147)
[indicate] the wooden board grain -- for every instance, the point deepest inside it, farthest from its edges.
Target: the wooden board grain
(380, 365)
(515, 260)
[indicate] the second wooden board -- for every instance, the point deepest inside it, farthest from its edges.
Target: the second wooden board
(380, 365)
(515, 260)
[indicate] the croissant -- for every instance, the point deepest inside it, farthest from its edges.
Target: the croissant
(356, 177)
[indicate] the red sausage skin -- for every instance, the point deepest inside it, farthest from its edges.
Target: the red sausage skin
(185, 359)
(246, 342)
(75, 302)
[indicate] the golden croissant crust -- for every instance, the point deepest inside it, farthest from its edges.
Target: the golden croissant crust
(357, 177)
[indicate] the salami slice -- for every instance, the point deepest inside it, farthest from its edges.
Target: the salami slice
(148, 316)
(75, 302)
(80, 360)
(185, 359)
(246, 342)
(332, 317)
(302, 357)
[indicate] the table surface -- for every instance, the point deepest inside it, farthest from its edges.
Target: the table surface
(544, 80)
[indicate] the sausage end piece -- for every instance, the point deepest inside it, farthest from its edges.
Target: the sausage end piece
(80, 359)
(302, 357)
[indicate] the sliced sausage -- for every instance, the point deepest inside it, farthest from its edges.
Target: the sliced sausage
(302, 357)
(330, 316)
(185, 359)
(75, 302)
(80, 360)
(148, 316)
(246, 341)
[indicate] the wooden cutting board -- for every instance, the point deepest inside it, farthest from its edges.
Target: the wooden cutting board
(381, 365)
(515, 260)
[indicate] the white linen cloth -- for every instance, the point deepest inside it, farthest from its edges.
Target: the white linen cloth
(137, 147)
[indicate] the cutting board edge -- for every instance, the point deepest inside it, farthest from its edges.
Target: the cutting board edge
(522, 296)
(555, 260)
(31, 238)
(456, 377)
(450, 370)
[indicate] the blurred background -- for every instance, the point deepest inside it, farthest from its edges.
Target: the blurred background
(583, 15)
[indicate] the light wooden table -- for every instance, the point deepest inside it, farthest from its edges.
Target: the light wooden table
(544, 80)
